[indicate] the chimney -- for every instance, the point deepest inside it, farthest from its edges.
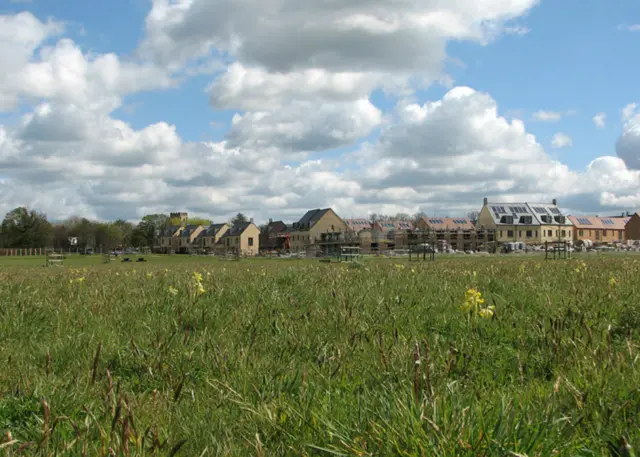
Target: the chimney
(555, 202)
(251, 220)
(486, 201)
(270, 220)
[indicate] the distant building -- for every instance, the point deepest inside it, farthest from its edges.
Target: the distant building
(632, 227)
(308, 230)
(531, 223)
(183, 217)
(599, 229)
(242, 238)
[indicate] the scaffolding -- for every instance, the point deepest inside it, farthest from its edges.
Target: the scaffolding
(349, 254)
(554, 250)
(54, 259)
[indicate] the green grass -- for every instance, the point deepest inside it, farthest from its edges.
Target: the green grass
(300, 358)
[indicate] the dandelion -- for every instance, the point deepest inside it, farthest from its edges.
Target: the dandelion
(173, 291)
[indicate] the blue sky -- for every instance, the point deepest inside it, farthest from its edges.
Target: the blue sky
(573, 58)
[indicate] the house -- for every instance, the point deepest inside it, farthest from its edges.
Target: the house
(531, 223)
(211, 234)
(307, 231)
(632, 227)
(188, 236)
(362, 229)
(242, 238)
(599, 229)
(274, 236)
(458, 233)
(445, 224)
(169, 238)
(387, 234)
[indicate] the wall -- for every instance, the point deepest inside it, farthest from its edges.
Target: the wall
(632, 229)
(252, 232)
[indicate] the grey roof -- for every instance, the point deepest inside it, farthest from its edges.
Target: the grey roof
(169, 231)
(237, 229)
(211, 230)
(311, 217)
(521, 212)
(188, 231)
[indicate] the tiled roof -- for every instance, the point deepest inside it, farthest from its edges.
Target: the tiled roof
(448, 223)
(169, 231)
(358, 224)
(604, 223)
(211, 230)
(393, 225)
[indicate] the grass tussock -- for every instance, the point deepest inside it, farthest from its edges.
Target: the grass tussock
(459, 357)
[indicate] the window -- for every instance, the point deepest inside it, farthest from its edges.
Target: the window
(549, 232)
(520, 233)
(529, 233)
(250, 241)
(500, 233)
(536, 234)
(510, 233)
(564, 233)
(581, 232)
(620, 235)
(604, 233)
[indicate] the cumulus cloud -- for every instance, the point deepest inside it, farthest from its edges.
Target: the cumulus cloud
(628, 145)
(561, 140)
(338, 36)
(34, 69)
(600, 120)
(296, 101)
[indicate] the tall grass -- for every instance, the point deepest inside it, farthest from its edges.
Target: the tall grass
(301, 359)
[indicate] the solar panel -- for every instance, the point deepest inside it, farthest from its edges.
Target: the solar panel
(583, 221)
(554, 210)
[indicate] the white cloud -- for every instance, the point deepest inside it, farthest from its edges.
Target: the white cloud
(296, 99)
(552, 116)
(33, 69)
(629, 111)
(634, 28)
(561, 140)
(600, 120)
(628, 145)
(355, 36)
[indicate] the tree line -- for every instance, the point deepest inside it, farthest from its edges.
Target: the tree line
(25, 228)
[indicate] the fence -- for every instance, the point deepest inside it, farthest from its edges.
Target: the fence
(22, 252)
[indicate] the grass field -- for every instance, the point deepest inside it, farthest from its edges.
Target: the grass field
(196, 357)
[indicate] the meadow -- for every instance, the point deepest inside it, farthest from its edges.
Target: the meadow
(458, 357)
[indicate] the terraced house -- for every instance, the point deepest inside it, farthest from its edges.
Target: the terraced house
(531, 223)
(209, 237)
(599, 230)
(387, 234)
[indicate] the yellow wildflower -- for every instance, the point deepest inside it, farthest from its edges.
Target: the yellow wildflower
(487, 313)
(612, 281)
(149, 275)
(173, 291)
(197, 276)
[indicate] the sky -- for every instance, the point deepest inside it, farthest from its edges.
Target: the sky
(272, 107)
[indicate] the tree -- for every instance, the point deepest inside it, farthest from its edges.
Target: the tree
(473, 216)
(150, 229)
(418, 217)
(23, 228)
(239, 219)
(199, 221)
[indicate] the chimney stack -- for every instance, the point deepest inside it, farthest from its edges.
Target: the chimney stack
(251, 220)
(555, 202)
(486, 201)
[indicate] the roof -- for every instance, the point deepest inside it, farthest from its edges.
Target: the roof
(526, 213)
(357, 225)
(237, 229)
(393, 225)
(448, 223)
(274, 227)
(171, 230)
(595, 222)
(211, 230)
(188, 230)
(311, 217)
